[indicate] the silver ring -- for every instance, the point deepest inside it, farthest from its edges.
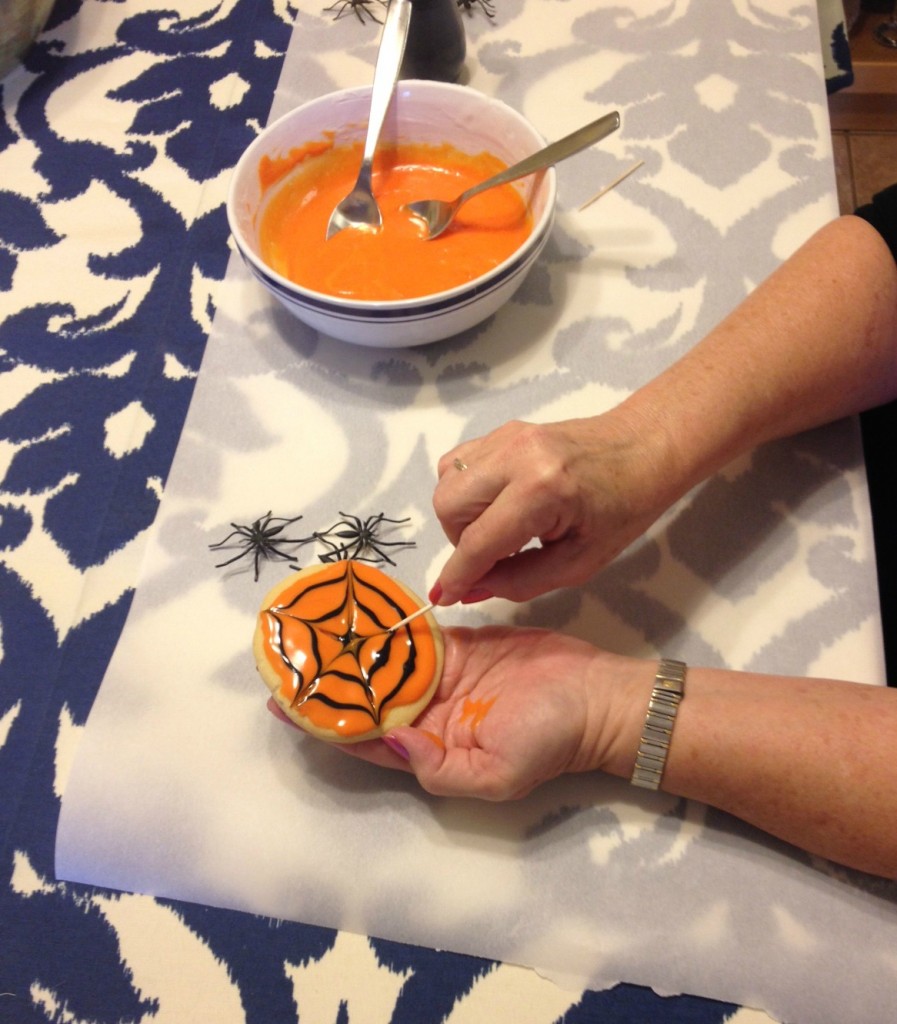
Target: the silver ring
(459, 464)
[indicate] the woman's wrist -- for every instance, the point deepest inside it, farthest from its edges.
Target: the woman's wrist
(661, 461)
(619, 689)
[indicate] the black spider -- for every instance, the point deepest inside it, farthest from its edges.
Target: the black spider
(356, 537)
(487, 5)
(262, 540)
(357, 7)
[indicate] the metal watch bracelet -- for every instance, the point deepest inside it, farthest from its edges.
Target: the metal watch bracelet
(669, 689)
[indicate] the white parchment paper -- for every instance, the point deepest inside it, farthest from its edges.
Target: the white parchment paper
(184, 786)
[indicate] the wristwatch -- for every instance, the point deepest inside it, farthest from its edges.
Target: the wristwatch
(669, 689)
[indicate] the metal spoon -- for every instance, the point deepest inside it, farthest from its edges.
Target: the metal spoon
(437, 214)
(359, 209)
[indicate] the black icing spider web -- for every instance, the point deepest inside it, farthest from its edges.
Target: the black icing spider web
(347, 647)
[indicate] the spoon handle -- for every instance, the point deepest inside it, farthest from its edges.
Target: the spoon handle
(386, 70)
(551, 154)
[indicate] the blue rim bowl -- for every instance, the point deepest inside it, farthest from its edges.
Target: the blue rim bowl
(423, 112)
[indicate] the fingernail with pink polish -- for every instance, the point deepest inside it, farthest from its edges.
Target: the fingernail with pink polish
(435, 593)
(476, 595)
(396, 747)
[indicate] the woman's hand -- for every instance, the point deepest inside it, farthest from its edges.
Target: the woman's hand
(809, 761)
(584, 489)
(812, 343)
(515, 708)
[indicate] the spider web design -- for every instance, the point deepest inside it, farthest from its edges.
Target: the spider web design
(342, 665)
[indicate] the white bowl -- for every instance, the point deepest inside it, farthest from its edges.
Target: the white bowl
(422, 112)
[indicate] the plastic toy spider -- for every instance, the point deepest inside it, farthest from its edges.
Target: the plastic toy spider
(357, 537)
(487, 5)
(357, 7)
(262, 539)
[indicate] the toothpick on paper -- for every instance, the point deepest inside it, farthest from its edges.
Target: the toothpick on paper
(404, 622)
(613, 184)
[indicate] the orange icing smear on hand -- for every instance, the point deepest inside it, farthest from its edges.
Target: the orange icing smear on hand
(437, 741)
(396, 261)
(475, 710)
(328, 640)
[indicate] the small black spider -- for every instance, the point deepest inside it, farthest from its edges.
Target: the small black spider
(357, 537)
(357, 7)
(262, 539)
(487, 5)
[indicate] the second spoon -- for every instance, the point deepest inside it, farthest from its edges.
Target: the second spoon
(437, 214)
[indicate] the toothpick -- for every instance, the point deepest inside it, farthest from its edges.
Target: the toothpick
(404, 622)
(613, 184)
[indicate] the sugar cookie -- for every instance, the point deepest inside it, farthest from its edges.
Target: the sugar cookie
(324, 648)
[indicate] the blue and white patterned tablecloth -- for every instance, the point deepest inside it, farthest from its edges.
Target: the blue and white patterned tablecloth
(835, 18)
(118, 135)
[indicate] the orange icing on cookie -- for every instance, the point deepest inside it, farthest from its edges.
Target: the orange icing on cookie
(338, 669)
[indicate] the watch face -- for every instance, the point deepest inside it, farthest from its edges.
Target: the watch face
(670, 676)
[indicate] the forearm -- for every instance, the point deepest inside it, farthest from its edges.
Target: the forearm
(814, 342)
(810, 761)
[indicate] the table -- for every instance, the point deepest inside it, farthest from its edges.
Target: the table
(132, 115)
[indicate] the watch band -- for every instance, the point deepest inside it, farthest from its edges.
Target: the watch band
(669, 689)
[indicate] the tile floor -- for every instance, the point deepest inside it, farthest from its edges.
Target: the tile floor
(864, 119)
(865, 162)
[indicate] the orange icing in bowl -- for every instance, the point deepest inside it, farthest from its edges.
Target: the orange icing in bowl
(396, 261)
(323, 647)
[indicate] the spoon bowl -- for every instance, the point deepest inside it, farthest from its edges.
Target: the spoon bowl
(359, 208)
(438, 214)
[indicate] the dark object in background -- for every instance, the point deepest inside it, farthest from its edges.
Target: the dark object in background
(20, 23)
(436, 44)
(879, 428)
